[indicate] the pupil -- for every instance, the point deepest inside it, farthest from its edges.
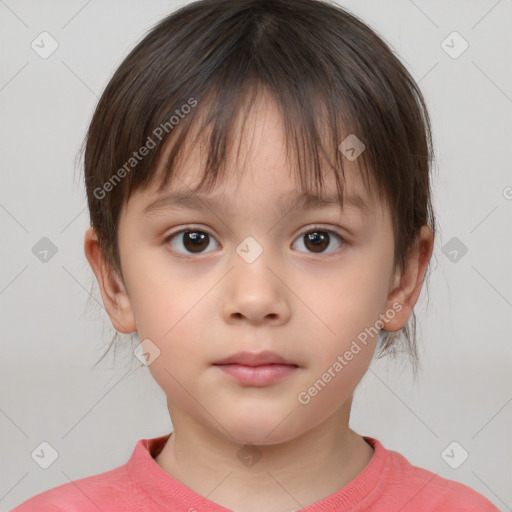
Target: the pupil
(319, 239)
(195, 240)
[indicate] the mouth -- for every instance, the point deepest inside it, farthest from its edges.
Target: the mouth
(256, 369)
(256, 359)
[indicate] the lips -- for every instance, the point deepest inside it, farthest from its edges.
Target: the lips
(257, 369)
(255, 359)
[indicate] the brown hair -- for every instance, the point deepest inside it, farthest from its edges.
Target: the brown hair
(329, 73)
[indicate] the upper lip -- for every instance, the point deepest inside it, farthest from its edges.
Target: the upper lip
(255, 359)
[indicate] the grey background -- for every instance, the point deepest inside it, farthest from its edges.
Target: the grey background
(93, 416)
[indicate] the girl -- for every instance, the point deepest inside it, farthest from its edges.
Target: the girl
(258, 181)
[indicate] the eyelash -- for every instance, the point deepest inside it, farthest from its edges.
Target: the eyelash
(198, 229)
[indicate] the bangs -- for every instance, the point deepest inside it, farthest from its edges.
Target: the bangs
(312, 138)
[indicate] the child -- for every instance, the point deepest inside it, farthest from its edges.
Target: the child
(258, 183)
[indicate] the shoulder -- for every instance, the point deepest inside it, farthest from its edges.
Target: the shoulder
(442, 494)
(122, 488)
(88, 494)
(421, 490)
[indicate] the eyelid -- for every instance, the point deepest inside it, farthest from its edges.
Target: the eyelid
(304, 230)
(189, 227)
(320, 227)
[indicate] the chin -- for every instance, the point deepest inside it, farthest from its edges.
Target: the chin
(263, 429)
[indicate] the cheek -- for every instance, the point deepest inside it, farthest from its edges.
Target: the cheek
(353, 301)
(172, 310)
(342, 344)
(349, 307)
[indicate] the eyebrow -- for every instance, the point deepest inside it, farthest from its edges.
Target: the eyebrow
(304, 201)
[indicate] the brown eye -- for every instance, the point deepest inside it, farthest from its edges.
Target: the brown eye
(189, 241)
(195, 241)
(318, 240)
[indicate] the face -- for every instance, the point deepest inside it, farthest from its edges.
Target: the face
(242, 271)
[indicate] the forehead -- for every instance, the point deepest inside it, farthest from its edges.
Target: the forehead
(256, 198)
(260, 183)
(258, 154)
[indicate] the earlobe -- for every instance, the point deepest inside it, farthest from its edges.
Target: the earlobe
(115, 298)
(407, 286)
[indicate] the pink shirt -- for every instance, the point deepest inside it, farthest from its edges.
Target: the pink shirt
(389, 483)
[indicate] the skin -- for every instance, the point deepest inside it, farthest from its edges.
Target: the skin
(307, 306)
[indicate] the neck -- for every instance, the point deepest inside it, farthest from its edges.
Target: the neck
(277, 477)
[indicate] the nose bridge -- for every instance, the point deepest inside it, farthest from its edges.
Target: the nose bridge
(252, 259)
(254, 291)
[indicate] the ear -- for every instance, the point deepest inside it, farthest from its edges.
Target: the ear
(406, 286)
(113, 292)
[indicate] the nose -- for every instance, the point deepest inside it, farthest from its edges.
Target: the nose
(256, 292)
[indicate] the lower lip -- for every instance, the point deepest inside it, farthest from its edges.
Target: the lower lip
(258, 375)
